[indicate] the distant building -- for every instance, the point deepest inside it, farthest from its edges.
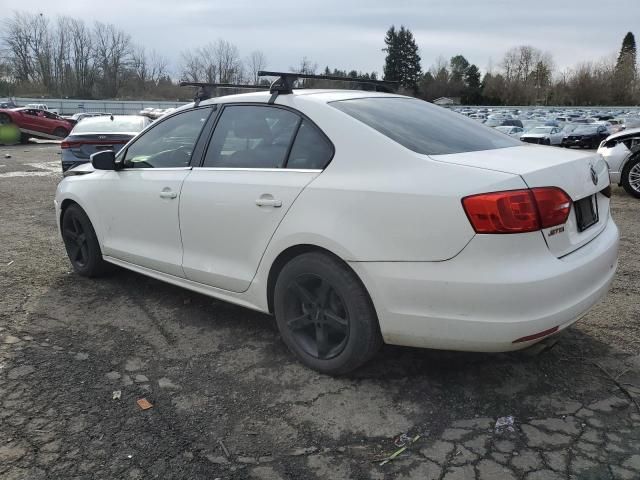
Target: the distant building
(447, 101)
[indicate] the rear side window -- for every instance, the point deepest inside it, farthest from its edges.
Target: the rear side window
(311, 150)
(423, 127)
(248, 136)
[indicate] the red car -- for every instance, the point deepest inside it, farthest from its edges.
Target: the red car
(36, 123)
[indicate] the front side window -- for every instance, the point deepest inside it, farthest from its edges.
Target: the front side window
(170, 143)
(423, 127)
(248, 136)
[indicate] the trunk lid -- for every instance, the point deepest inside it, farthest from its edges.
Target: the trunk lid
(551, 167)
(83, 145)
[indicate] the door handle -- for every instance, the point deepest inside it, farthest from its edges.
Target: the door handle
(168, 194)
(268, 201)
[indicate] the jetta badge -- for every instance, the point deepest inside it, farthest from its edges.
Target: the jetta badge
(594, 175)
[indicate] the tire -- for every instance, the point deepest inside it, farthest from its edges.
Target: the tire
(81, 243)
(60, 132)
(547, 141)
(4, 119)
(24, 138)
(325, 315)
(631, 176)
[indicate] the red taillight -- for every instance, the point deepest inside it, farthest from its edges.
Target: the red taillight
(70, 144)
(554, 205)
(517, 211)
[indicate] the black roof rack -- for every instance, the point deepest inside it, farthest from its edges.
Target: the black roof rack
(204, 92)
(285, 81)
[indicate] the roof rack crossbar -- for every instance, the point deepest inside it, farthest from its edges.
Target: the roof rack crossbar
(205, 89)
(285, 81)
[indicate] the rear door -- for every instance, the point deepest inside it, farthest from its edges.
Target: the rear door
(259, 159)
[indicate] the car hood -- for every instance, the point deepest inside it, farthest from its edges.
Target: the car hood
(622, 133)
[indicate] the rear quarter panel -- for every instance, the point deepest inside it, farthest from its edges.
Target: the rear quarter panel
(378, 201)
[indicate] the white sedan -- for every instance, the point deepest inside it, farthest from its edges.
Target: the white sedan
(356, 218)
(543, 136)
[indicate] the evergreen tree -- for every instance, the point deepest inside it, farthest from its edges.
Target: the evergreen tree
(402, 63)
(472, 93)
(625, 71)
(459, 66)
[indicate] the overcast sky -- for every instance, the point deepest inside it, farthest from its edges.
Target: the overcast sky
(348, 34)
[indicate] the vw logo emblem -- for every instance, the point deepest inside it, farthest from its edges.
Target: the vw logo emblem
(594, 175)
(102, 137)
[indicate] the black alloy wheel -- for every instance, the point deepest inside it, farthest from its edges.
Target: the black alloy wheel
(81, 243)
(60, 132)
(316, 316)
(324, 314)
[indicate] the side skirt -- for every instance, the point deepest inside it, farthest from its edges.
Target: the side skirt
(217, 293)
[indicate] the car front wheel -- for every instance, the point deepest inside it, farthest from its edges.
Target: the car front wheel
(81, 243)
(631, 177)
(325, 315)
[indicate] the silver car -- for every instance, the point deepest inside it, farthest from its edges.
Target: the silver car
(622, 154)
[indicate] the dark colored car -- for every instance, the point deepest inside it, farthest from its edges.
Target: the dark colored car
(37, 123)
(95, 134)
(585, 136)
(511, 123)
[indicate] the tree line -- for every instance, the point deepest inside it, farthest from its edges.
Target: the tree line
(525, 76)
(67, 57)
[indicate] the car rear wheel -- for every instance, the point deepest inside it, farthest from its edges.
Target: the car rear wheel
(325, 315)
(60, 132)
(631, 177)
(547, 141)
(4, 119)
(81, 243)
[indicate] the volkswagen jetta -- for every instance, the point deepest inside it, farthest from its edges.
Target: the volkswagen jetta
(356, 218)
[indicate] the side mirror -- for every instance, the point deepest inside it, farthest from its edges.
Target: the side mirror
(105, 160)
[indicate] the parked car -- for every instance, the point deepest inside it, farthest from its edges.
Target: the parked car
(543, 136)
(41, 106)
(511, 122)
(36, 123)
(586, 136)
(99, 133)
(76, 117)
(511, 131)
(622, 154)
(336, 212)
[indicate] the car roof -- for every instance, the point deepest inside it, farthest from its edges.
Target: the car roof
(315, 95)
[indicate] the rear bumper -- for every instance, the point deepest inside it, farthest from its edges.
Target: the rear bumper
(491, 293)
(616, 158)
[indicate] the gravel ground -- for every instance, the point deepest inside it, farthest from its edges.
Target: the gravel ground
(230, 402)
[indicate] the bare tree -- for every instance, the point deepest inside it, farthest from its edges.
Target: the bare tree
(17, 40)
(192, 67)
(82, 54)
(255, 62)
(112, 50)
(158, 66)
(227, 61)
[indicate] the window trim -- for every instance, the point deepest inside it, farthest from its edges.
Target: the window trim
(303, 117)
(123, 153)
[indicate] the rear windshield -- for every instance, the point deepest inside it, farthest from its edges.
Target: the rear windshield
(106, 125)
(423, 127)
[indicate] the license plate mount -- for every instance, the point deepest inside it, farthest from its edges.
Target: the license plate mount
(586, 212)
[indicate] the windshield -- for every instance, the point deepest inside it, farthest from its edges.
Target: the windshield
(106, 125)
(423, 127)
(504, 129)
(541, 130)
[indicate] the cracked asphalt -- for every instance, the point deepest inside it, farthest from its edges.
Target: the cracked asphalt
(229, 401)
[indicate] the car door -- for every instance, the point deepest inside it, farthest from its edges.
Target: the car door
(259, 159)
(139, 203)
(556, 136)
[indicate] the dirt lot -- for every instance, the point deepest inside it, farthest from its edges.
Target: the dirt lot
(230, 402)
